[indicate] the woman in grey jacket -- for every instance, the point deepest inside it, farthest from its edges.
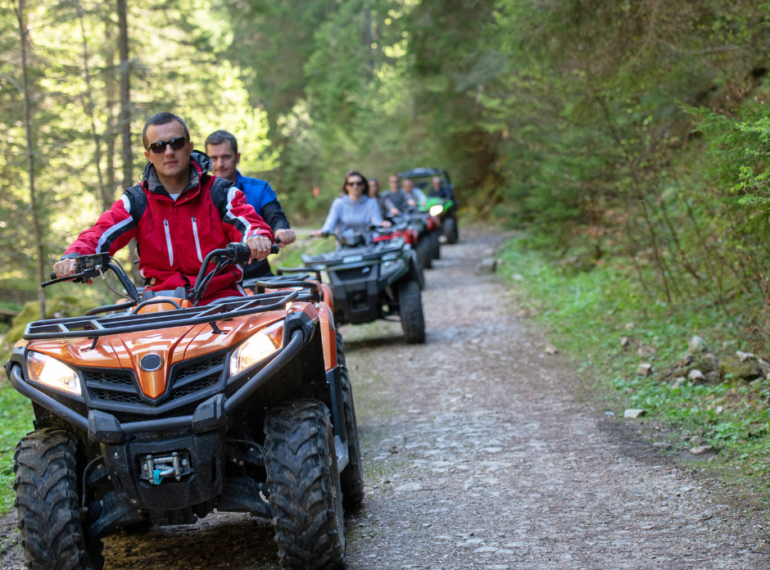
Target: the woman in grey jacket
(355, 210)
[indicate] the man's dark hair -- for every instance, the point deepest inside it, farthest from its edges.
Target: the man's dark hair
(163, 119)
(218, 137)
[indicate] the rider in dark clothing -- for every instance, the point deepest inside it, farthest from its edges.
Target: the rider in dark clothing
(222, 147)
(396, 198)
(438, 191)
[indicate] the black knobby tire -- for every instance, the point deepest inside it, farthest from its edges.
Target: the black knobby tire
(410, 308)
(450, 230)
(48, 505)
(424, 252)
(352, 477)
(304, 486)
(340, 347)
(436, 245)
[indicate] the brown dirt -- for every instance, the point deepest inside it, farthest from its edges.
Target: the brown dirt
(479, 454)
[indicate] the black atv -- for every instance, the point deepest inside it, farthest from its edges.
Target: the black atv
(374, 280)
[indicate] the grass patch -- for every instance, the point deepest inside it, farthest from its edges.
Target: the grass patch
(291, 255)
(15, 421)
(587, 313)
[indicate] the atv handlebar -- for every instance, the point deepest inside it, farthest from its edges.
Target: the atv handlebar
(234, 254)
(88, 267)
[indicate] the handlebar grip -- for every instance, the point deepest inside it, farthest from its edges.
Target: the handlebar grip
(53, 274)
(274, 249)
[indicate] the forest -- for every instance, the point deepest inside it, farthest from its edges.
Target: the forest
(630, 135)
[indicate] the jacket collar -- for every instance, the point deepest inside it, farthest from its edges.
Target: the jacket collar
(200, 163)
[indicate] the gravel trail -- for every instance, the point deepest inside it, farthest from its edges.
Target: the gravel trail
(479, 455)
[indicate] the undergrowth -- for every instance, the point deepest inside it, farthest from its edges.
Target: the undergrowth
(15, 421)
(589, 312)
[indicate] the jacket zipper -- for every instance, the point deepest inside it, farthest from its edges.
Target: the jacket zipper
(197, 243)
(168, 243)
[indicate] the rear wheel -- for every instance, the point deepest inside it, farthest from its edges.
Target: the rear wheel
(47, 500)
(410, 308)
(450, 230)
(304, 486)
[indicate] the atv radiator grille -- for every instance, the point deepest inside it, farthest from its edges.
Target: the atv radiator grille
(198, 376)
(355, 273)
(118, 397)
(187, 379)
(123, 378)
(198, 367)
(112, 386)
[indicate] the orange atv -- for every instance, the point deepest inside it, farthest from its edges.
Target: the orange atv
(162, 411)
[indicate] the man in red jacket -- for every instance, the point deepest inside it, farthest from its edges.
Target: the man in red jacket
(178, 214)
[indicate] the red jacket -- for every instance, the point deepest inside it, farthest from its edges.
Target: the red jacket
(173, 237)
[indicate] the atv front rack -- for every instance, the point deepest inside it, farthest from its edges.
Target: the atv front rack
(121, 323)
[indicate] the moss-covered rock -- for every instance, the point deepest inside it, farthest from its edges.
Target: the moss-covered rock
(732, 367)
(59, 306)
(706, 363)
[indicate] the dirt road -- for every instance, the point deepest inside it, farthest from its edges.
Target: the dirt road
(478, 455)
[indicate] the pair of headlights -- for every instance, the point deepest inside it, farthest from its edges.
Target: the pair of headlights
(57, 375)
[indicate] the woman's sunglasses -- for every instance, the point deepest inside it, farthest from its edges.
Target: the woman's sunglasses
(352, 183)
(176, 143)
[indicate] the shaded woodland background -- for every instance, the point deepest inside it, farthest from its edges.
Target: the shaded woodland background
(626, 134)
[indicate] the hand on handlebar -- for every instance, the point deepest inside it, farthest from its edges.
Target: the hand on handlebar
(285, 237)
(65, 268)
(319, 233)
(386, 224)
(259, 247)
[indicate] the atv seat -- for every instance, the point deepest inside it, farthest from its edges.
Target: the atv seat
(178, 293)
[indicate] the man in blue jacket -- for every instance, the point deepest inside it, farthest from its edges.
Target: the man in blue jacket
(222, 148)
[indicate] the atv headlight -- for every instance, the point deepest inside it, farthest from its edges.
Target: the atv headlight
(436, 210)
(257, 348)
(53, 373)
(388, 267)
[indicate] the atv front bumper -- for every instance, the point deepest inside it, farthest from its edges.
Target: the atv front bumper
(209, 415)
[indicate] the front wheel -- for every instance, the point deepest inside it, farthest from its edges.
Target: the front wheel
(450, 230)
(47, 501)
(352, 477)
(304, 485)
(410, 308)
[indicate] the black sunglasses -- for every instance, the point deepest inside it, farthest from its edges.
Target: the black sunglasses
(355, 183)
(176, 143)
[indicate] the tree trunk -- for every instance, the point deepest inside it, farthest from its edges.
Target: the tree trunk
(125, 115)
(110, 87)
(23, 33)
(90, 110)
(125, 94)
